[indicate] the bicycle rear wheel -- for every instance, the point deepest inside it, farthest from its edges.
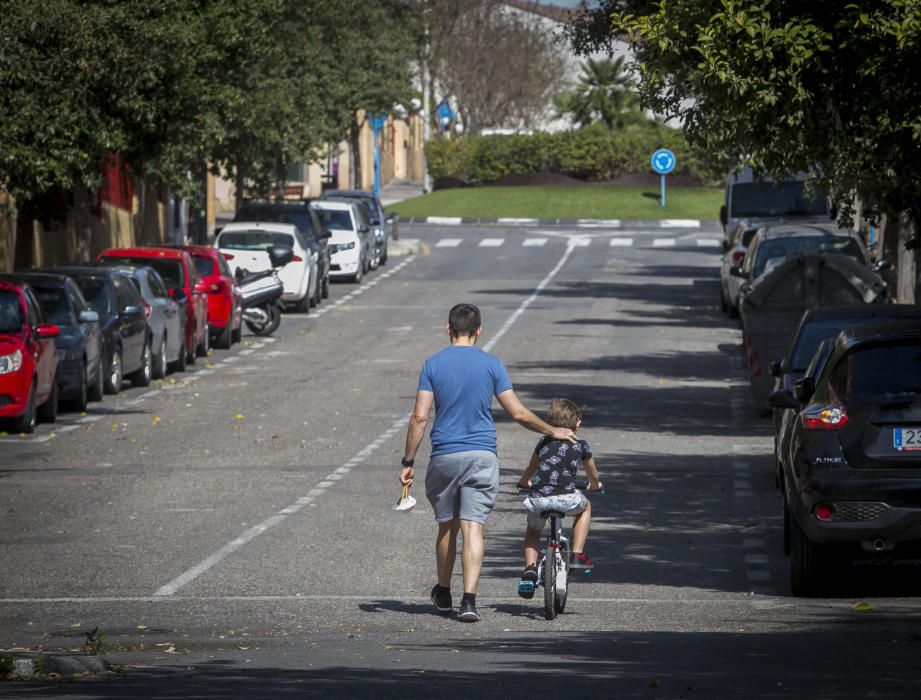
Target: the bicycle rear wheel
(562, 581)
(550, 584)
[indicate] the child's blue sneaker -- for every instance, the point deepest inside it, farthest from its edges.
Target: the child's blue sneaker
(528, 582)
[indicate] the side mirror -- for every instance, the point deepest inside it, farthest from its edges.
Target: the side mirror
(882, 265)
(783, 399)
(280, 255)
(326, 233)
(89, 317)
(724, 215)
(745, 288)
(47, 330)
(804, 389)
(393, 218)
(133, 311)
(363, 228)
(375, 222)
(201, 287)
(736, 271)
(776, 368)
(177, 295)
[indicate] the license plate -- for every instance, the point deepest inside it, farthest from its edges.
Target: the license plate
(906, 439)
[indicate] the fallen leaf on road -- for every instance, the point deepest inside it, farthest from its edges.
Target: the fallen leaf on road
(142, 627)
(155, 420)
(863, 607)
(239, 416)
(75, 625)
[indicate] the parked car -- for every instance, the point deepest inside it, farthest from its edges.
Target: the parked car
(185, 288)
(245, 246)
(301, 214)
(384, 225)
(122, 320)
(352, 242)
(734, 250)
(771, 245)
(165, 317)
(28, 359)
(851, 473)
(225, 301)
(79, 341)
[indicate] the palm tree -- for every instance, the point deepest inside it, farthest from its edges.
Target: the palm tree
(604, 94)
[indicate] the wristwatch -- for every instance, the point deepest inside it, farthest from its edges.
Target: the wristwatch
(407, 462)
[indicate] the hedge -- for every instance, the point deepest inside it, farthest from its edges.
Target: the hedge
(593, 154)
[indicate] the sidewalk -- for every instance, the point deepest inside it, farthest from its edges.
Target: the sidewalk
(398, 190)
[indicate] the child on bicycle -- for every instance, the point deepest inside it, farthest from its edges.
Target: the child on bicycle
(551, 478)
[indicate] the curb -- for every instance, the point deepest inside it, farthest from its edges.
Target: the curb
(60, 664)
(624, 224)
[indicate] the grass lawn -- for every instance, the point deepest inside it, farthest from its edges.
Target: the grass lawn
(561, 202)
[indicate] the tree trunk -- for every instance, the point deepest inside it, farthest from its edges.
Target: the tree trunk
(355, 156)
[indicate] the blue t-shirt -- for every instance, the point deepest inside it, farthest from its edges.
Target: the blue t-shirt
(464, 379)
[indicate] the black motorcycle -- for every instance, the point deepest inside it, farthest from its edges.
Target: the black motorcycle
(262, 304)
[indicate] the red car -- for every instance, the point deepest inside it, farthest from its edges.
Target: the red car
(28, 359)
(183, 283)
(225, 300)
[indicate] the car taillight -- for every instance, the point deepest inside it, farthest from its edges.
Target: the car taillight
(147, 309)
(824, 512)
(297, 258)
(825, 418)
(228, 256)
(216, 287)
(737, 256)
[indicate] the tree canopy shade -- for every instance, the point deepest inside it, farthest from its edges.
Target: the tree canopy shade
(248, 85)
(787, 86)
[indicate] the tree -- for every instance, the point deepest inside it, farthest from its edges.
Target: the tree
(604, 94)
(820, 85)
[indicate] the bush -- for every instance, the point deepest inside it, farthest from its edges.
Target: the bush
(593, 154)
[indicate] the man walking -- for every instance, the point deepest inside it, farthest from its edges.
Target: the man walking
(462, 479)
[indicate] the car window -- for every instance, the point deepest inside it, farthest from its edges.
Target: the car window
(136, 282)
(156, 284)
(203, 266)
(749, 260)
(53, 302)
(763, 199)
(254, 240)
(11, 318)
(785, 247)
(122, 295)
(33, 310)
(339, 219)
(95, 292)
(883, 371)
(287, 214)
(223, 266)
(315, 224)
(363, 215)
(76, 297)
(170, 269)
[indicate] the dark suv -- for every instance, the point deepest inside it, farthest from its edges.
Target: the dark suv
(302, 215)
(851, 468)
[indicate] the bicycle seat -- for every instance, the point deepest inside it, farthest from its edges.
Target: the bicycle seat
(552, 514)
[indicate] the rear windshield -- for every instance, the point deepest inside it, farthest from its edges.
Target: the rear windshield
(335, 218)
(10, 313)
(170, 270)
(777, 249)
(813, 334)
(285, 215)
(884, 372)
(254, 240)
(204, 266)
(54, 304)
(94, 291)
(767, 199)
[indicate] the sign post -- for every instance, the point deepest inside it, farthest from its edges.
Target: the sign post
(663, 162)
(377, 122)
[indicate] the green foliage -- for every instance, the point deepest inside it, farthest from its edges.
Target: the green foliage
(592, 154)
(7, 664)
(604, 95)
(95, 643)
(786, 87)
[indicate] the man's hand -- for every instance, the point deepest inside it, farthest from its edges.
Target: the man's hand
(563, 434)
(406, 476)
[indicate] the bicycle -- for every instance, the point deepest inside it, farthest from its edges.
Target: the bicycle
(554, 578)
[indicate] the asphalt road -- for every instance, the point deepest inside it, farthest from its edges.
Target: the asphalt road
(229, 530)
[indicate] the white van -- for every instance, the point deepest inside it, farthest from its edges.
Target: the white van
(755, 202)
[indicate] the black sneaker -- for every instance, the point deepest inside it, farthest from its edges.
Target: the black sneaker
(528, 582)
(441, 599)
(467, 612)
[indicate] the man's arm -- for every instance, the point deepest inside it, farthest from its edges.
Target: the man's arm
(416, 431)
(513, 406)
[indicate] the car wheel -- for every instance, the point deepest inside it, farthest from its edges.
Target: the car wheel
(385, 254)
(79, 402)
(97, 388)
(786, 528)
(26, 422)
(181, 362)
(811, 564)
(204, 346)
(359, 273)
(159, 360)
(732, 309)
(190, 352)
(142, 376)
(724, 305)
(236, 335)
(113, 379)
(325, 292)
(224, 339)
(48, 411)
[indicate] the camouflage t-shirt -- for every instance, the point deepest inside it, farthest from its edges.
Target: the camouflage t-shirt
(559, 462)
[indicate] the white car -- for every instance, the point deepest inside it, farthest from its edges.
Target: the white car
(351, 246)
(245, 245)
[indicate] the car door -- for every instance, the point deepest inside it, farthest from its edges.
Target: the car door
(43, 349)
(132, 322)
(92, 334)
(322, 238)
(363, 227)
(199, 297)
(172, 319)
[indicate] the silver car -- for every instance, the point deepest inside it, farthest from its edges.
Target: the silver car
(164, 316)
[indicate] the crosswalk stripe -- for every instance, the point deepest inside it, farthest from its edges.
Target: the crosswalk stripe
(663, 243)
(491, 242)
(580, 242)
(534, 242)
(621, 242)
(598, 223)
(680, 223)
(708, 242)
(448, 243)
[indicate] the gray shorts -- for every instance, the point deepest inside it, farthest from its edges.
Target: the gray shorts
(463, 485)
(569, 503)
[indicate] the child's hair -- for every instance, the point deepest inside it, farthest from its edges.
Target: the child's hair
(564, 413)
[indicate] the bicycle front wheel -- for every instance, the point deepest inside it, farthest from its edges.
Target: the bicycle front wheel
(562, 579)
(550, 565)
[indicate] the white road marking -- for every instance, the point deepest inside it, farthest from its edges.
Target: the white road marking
(449, 243)
(708, 242)
(491, 242)
(248, 351)
(621, 242)
(534, 242)
(519, 222)
(580, 242)
(598, 223)
(663, 243)
(444, 220)
(679, 223)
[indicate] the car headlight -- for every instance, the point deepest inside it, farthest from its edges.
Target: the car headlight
(65, 354)
(10, 363)
(336, 247)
